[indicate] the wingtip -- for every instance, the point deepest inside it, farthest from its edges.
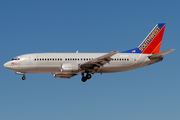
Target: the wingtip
(171, 50)
(115, 51)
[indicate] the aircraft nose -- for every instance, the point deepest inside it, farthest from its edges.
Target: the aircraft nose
(7, 65)
(12, 65)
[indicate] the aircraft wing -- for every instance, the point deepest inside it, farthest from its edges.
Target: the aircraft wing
(100, 61)
(160, 55)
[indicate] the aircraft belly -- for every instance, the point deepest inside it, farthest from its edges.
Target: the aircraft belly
(117, 67)
(41, 69)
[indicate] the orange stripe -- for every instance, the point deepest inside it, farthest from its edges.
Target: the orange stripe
(156, 50)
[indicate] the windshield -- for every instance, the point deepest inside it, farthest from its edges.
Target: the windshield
(16, 58)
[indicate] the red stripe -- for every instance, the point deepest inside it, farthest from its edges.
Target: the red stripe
(154, 43)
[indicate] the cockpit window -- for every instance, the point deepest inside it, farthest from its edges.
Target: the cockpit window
(16, 58)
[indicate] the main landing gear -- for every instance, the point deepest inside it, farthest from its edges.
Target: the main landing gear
(85, 78)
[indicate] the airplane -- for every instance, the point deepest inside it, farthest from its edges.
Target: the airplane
(67, 65)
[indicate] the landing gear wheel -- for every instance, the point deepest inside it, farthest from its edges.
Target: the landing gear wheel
(84, 79)
(88, 76)
(23, 78)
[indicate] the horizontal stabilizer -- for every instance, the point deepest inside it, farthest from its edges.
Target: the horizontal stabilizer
(160, 55)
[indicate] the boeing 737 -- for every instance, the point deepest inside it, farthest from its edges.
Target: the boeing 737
(67, 65)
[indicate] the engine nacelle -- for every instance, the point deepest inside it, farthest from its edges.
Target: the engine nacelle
(67, 67)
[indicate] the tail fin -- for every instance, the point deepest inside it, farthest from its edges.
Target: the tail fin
(152, 43)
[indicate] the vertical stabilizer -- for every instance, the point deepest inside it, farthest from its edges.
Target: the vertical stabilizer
(152, 43)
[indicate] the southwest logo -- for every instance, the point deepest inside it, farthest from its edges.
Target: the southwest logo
(149, 39)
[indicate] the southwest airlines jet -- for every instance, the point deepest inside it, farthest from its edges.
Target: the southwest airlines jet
(67, 65)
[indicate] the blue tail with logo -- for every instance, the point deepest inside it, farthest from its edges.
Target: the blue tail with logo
(152, 43)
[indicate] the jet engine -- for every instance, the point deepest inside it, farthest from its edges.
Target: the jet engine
(68, 67)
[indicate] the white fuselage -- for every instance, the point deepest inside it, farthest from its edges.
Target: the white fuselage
(53, 62)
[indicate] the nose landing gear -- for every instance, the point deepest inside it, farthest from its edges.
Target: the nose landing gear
(21, 73)
(23, 78)
(85, 78)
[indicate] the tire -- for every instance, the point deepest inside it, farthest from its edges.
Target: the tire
(88, 76)
(84, 79)
(23, 78)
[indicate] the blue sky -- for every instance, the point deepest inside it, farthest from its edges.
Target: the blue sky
(39, 26)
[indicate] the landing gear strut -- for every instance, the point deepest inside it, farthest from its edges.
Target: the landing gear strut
(21, 73)
(84, 78)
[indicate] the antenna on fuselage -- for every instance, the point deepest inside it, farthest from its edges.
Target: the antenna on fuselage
(77, 51)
